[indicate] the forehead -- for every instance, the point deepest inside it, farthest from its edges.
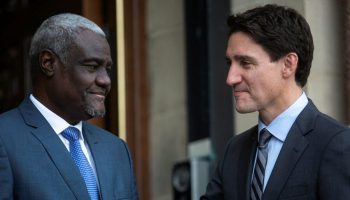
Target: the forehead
(93, 44)
(241, 44)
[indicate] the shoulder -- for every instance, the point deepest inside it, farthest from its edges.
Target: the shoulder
(94, 128)
(312, 119)
(10, 115)
(335, 133)
(244, 137)
(241, 141)
(108, 141)
(327, 125)
(321, 130)
(11, 120)
(21, 114)
(104, 135)
(326, 120)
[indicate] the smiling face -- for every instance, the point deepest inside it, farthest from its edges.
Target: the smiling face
(257, 82)
(80, 86)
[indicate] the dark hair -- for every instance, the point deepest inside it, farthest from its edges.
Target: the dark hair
(279, 30)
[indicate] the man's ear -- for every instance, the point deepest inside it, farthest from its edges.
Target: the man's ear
(47, 62)
(290, 64)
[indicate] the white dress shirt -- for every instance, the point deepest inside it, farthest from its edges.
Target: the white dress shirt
(279, 128)
(58, 124)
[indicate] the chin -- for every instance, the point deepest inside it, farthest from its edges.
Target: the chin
(244, 110)
(94, 112)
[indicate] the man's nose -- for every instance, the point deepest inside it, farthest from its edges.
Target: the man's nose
(233, 75)
(103, 78)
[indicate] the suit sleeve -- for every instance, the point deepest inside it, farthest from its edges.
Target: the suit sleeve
(214, 188)
(334, 177)
(134, 193)
(6, 181)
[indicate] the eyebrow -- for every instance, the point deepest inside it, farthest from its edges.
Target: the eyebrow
(243, 58)
(97, 60)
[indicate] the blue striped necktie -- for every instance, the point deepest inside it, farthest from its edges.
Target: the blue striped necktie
(257, 188)
(72, 135)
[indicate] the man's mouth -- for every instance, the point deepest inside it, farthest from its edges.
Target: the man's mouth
(237, 93)
(99, 95)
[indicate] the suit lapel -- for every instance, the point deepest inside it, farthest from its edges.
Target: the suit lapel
(293, 147)
(55, 149)
(246, 158)
(100, 161)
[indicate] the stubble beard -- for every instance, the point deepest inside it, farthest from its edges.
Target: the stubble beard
(91, 110)
(245, 107)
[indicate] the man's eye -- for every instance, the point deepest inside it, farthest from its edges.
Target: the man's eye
(245, 64)
(228, 62)
(109, 70)
(91, 67)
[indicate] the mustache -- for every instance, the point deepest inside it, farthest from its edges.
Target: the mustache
(239, 88)
(99, 91)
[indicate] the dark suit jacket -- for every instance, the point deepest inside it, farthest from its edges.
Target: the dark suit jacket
(35, 164)
(314, 163)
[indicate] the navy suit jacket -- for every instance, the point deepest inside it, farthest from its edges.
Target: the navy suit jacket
(35, 164)
(314, 163)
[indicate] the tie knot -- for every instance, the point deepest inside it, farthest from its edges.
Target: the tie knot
(265, 136)
(71, 134)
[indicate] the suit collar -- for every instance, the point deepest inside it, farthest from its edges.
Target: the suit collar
(31, 114)
(292, 149)
(54, 148)
(56, 122)
(282, 123)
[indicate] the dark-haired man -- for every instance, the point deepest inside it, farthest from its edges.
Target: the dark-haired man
(295, 151)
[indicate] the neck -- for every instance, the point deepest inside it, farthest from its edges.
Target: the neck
(268, 114)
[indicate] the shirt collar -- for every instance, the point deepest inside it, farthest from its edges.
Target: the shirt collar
(281, 125)
(56, 122)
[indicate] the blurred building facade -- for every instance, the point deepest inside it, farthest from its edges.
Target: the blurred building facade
(169, 99)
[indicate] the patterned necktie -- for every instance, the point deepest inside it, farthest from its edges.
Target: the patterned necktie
(259, 171)
(72, 135)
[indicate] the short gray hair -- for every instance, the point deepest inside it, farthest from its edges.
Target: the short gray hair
(57, 33)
